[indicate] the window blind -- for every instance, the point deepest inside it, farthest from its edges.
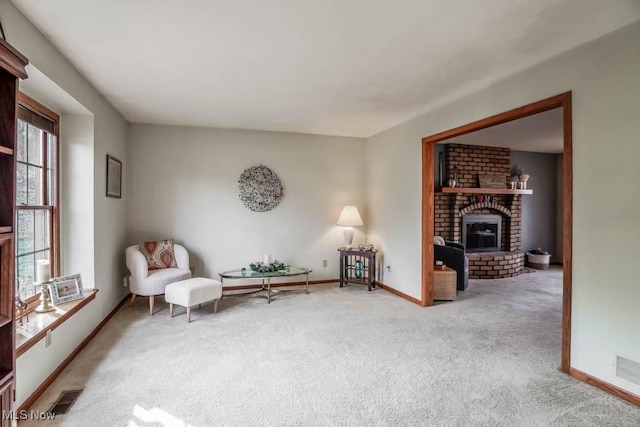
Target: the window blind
(36, 119)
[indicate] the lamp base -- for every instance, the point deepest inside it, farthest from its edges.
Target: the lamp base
(347, 233)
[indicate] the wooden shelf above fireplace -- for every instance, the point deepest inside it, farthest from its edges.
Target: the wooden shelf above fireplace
(482, 191)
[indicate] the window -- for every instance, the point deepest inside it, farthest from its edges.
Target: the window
(36, 192)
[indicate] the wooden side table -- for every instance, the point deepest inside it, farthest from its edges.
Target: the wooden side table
(358, 267)
(444, 284)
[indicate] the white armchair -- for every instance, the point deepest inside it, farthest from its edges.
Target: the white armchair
(145, 282)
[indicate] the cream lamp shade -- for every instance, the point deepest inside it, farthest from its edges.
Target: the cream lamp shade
(349, 218)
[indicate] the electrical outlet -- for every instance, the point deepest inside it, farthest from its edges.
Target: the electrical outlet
(324, 262)
(47, 338)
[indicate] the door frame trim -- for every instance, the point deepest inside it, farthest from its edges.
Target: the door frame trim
(428, 206)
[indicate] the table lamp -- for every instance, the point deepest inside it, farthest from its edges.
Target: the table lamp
(349, 218)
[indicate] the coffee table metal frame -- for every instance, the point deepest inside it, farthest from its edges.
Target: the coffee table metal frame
(265, 278)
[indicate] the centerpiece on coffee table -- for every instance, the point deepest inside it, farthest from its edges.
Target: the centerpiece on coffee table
(260, 267)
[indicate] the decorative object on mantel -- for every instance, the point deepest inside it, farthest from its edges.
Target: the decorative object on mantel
(518, 177)
(260, 267)
(260, 188)
(453, 179)
(491, 181)
(516, 171)
(451, 183)
(513, 183)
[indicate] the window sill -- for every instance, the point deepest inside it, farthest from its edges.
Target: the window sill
(29, 333)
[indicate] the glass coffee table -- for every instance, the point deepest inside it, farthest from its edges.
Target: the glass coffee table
(265, 277)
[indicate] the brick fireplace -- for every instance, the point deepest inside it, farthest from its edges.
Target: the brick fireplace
(451, 206)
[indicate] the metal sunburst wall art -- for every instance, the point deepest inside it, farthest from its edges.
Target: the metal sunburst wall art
(260, 189)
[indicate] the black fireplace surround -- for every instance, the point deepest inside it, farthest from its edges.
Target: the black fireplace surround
(481, 233)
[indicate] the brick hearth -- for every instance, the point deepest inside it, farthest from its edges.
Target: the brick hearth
(495, 265)
(471, 161)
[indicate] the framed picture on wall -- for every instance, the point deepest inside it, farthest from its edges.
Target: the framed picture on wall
(67, 288)
(114, 177)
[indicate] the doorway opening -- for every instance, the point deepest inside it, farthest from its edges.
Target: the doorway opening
(562, 101)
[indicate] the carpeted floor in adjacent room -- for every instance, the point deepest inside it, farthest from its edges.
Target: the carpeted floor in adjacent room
(339, 356)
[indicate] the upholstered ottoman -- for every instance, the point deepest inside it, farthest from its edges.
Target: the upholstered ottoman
(191, 292)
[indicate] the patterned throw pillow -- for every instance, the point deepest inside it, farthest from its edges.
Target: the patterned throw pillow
(159, 254)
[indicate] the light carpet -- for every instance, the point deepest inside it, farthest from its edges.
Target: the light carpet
(339, 356)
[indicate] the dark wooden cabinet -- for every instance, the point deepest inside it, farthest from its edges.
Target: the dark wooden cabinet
(6, 404)
(357, 267)
(12, 68)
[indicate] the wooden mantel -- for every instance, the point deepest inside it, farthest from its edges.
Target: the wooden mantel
(482, 190)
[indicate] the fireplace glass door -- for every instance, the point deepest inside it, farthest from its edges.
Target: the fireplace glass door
(481, 233)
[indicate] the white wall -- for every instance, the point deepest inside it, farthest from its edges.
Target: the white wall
(35, 364)
(109, 229)
(76, 195)
(184, 185)
(603, 76)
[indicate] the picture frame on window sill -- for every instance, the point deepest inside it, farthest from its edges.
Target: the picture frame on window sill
(66, 288)
(114, 177)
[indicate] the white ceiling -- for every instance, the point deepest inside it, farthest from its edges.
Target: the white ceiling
(338, 67)
(540, 133)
